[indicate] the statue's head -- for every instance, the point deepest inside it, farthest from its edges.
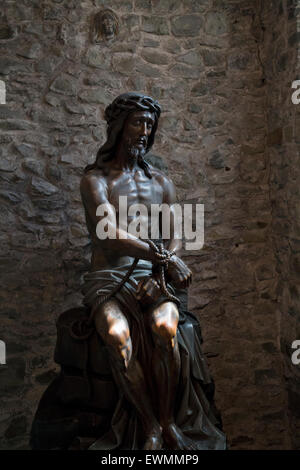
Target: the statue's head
(122, 109)
(121, 117)
(105, 26)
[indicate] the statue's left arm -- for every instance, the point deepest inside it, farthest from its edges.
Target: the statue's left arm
(178, 272)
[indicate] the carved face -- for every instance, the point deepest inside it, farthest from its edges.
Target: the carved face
(137, 129)
(108, 26)
(105, 26)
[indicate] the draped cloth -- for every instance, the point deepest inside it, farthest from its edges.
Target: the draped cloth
(195, 412)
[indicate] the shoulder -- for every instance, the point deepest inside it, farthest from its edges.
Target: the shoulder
(166, 183)
(93, 181)
(93, 178)
(160, 176)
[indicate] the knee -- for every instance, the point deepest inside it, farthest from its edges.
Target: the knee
(113, 328)
(118, 334)
(164, 323)
(165, 330)
(119, 344)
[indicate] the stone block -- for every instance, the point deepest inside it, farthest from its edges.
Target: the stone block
(172, 46)
(187, 25)
(184, 71)
(216, 23)
(95, 57)
(195, 108)
(200, 89)
(143, 5)
(193, 58)
(239, 61)
(53, 99)
(64, 85)
(33, 51)
(73, 158)
(148, 70)
(156, 57)
(8, 65)
(116, 5)
(33, 165)
(11, 196)
(43, 187)
(16, 125)
(149, 42)
(195, 5)
(165, 6)
(96, 95)
(124, 63)
(7, 32)
(213, 58)
(48, 64)
(155, 25)
(216, 160)
(169, 122)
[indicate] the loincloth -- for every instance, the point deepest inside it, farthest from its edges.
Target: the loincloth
(102, 282)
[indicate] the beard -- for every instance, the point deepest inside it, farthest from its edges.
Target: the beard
(136, 153)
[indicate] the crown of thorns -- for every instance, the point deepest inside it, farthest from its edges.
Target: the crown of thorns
(129, 103)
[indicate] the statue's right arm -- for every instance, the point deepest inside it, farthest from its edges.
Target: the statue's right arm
(93, 190)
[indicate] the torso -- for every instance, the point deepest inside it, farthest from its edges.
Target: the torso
(139, 189)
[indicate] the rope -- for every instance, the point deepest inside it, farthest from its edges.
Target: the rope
(163, 258)
(82, 329)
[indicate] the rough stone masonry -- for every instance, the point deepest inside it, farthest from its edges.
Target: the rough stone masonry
(229, 135)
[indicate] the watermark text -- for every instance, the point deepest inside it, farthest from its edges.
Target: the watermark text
(2, 353)
(296, 94)
(2, 92)
(169, 221)
(296, 354)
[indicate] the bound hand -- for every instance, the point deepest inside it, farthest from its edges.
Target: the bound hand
(178, 273)
(148, 291)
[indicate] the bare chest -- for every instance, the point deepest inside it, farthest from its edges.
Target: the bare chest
(137, 188)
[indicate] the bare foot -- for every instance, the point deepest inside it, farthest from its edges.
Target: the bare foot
(154, 441)
(176, 440)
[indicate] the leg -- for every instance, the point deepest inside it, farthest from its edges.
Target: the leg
(112, 326)
(166, 369)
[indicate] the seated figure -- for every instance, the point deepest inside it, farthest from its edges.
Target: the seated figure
(133, 374)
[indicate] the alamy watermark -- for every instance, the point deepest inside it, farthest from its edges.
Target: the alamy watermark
(2, 353)
(2, 92)
(296, 94)
(296, 354)
(170, 220)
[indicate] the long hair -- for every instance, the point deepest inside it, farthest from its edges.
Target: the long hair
(115, 115)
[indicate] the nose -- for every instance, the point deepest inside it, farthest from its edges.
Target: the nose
(144, 130)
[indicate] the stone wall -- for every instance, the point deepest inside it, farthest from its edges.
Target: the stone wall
(210, 64)
(281, 70)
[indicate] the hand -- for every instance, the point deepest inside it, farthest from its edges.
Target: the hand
(148, 290)
(178, 273)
